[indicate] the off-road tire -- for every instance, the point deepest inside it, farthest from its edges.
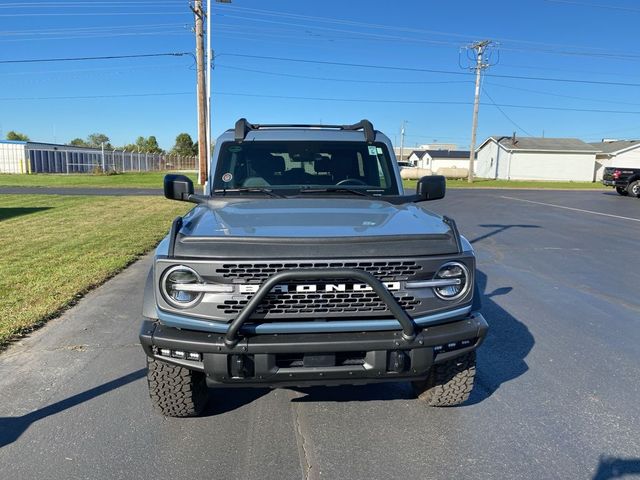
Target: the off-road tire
(176, 391)
(622, 191)
(634, 189)
(448, 383)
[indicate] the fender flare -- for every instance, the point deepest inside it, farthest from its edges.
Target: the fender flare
(149, 298)
(476, 304)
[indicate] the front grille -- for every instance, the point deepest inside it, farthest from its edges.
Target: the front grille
(258, 272)
(319, 303)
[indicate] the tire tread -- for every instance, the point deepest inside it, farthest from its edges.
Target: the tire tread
(175, 391)
(449, 383)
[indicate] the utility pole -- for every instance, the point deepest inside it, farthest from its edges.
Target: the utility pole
(202, 103)
(404, 122)
(208, 76)
(479, 48)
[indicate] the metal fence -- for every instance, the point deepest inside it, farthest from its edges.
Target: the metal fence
(89, 161)
(25, 158)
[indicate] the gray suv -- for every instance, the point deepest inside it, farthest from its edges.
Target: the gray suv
(305, 263)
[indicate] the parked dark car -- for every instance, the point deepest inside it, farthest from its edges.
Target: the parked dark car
(626, 181)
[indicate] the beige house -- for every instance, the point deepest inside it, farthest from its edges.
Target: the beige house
(535, 158)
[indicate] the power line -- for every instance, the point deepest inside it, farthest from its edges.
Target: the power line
(347, 80)
(424, 102)
(110, 57)
(503, 113)
(559, 95)
(328, 99)
(428, 70)
(88, 4)
(99, 14)
(394, 28)
(95, 35)
(594, 5)
(543, 46)
(47, 31)
(67, 71)
(86, 97)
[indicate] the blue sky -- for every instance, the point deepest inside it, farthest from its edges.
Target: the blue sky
(583, 40)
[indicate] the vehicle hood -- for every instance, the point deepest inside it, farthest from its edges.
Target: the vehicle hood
(282, 225)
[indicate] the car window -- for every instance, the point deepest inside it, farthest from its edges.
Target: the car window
(296, 165)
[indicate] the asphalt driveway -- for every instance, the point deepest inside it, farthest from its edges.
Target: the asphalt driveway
(556, 397)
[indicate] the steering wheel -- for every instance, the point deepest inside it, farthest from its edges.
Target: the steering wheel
(351, 181)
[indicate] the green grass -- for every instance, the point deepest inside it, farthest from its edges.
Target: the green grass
(122, 180)
(482, 183)
(55, 248)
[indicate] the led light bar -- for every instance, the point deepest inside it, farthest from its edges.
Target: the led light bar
(181, 354)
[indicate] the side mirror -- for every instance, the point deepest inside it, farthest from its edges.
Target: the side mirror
(178, 187)
(432, 187)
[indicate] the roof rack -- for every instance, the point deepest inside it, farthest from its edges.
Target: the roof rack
(243, 127)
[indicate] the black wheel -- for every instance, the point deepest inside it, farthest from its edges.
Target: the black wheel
(634, 189)
(622, 191)
(176, 391)
(448, 383)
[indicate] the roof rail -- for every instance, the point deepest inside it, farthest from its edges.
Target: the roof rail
(243, 127)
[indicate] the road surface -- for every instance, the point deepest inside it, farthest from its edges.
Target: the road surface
(557, 396)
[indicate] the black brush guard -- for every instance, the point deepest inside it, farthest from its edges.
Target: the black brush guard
(408, 326)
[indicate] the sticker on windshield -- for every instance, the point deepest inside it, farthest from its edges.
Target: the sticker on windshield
(372, 150)
(227, 177)
(235, 148)
(379, 150)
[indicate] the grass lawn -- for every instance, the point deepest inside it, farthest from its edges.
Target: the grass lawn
(481, 183)
(55, 248)
(122, 180)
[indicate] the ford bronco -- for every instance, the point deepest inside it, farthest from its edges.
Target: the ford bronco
(306, 263)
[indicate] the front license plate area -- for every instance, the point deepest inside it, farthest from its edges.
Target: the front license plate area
(319, 360)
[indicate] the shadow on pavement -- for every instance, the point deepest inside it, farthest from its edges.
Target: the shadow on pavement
(223, 400)
(355, 393)
(7, 213)
(502, 356)
(12, 427)
(613, 467)
(499, 229)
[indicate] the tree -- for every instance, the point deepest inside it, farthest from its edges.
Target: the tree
(143, 144)
(78, 142)
(152, 145)
(96, 140)
(184, 146)
(17, 136)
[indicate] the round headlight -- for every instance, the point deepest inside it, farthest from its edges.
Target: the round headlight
(460, 281)
(175, 285)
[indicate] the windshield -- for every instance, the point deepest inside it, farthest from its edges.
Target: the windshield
(306, 165)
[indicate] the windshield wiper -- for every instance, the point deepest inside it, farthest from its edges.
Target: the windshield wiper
(268, 191)
(353, 191)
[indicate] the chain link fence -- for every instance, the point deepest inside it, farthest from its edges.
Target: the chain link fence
(27, 159)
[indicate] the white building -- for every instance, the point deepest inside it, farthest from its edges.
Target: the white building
(435, 160)
(36, 157)
(616, 153)
(13, 156)
(534, 158)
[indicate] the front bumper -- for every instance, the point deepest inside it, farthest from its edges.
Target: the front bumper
(313, 358)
